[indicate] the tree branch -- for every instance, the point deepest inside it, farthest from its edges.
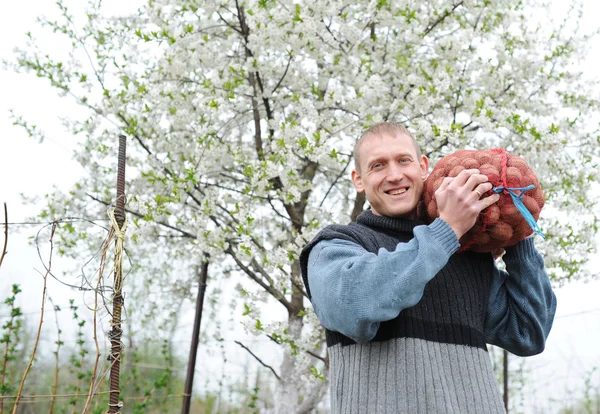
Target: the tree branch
(312, 354)
(270, 289)
(324, 359)
(252, 79)
(359, 203)
(231, 26)
(441, 19)
(5, 234)
(261, 270)
(284, 74)
(258, 359)
(139, 215)
(439, 147)
(299, 287)
(136, 136)
(335, 181)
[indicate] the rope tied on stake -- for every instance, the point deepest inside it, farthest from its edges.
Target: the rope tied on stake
(119, 234)
(115, 333)
(117, 217)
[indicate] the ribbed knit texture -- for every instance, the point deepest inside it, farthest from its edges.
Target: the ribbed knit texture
(532, 296)
(407, 375)
(432, 358)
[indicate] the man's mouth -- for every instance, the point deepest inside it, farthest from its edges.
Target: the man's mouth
(397, 191)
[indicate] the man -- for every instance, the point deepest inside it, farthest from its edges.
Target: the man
(407, 318)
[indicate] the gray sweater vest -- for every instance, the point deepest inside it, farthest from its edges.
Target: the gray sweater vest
(431, 358)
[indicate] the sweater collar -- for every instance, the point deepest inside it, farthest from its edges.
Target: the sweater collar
(397, 225)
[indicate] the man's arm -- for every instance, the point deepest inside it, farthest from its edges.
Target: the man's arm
(354, 290)
(522, 305)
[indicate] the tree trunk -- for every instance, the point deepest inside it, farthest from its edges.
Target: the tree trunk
(287, 391)
(291, 389)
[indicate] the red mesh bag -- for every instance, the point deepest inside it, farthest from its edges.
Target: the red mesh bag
(501, 224)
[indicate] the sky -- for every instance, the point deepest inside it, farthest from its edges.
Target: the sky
(26, 166)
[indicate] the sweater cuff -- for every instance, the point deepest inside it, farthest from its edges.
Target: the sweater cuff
(522, 250)
(445, 235)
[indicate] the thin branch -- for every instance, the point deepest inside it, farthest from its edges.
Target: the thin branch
(477, 21)
(261, 270)
(284, 74)
(258, 359)
(300, 288)
(100, 273)
(61, 220)
(412, 118)
(339, 108)
(312, 354)
(458, 93)
(56, 367)
(136, 136)
(211, 27)
(439, 147)
(231, 26)
(335, 38)
(39, 331)
(270, 289)
(335, 181)
(233, 190)
(324, 359)
(442, 18)
(5, 234)
(277, 211)
(139, 215)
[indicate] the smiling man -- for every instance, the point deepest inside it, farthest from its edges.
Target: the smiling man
(407, 318)
(393, 173)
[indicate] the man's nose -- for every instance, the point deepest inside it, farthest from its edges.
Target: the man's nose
(394, 173)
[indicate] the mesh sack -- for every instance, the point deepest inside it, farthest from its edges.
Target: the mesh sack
(501, 224)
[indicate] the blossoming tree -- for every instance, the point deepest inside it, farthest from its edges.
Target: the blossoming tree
(242, 115)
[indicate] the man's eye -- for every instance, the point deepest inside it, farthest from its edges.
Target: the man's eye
(405, 160)
(377, 165)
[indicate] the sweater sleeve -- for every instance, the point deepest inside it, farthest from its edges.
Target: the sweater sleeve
(353, 290)
(522, 304)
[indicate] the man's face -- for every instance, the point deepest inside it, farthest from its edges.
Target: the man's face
(391, 175)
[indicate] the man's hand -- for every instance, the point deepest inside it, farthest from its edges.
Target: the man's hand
(459, 199)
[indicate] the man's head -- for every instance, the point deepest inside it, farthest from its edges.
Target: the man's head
(390, 169)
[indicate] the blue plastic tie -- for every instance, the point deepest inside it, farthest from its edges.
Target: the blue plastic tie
(518, 200)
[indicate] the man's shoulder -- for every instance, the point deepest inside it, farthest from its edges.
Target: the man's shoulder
(351, 232)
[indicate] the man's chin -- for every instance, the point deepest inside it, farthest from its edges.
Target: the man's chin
(404, 211)
(406, 214)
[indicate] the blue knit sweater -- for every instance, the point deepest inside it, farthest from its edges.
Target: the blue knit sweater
(353, 290)
(407, 318)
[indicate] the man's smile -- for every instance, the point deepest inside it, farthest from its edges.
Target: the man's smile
(397, 191)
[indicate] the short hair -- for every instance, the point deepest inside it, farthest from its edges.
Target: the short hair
(383, 128)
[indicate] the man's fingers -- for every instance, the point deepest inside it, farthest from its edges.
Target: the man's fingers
(463, 176)
(445, 183)
(489, 200)
(481, 189)
(475, 180)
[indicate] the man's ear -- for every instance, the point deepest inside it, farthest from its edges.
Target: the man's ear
(424, 164)
(357, 181)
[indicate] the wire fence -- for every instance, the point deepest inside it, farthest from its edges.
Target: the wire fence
(82, 378)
